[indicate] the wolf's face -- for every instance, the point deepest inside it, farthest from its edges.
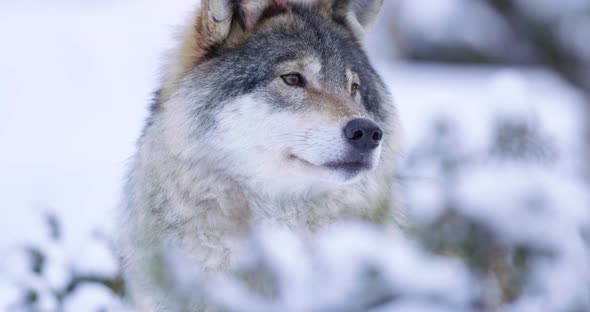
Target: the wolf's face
(288, 102)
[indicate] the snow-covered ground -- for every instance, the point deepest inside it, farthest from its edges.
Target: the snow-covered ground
(76, 78)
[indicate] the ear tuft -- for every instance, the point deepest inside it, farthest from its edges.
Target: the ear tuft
(218, 11)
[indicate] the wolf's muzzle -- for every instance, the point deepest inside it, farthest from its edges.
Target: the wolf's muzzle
(363, 134)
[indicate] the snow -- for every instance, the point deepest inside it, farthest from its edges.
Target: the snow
(573, 34)
(315, 277)
(74, 101)
(75, 81)
(552, 9)
(94, 298)
(472, 23)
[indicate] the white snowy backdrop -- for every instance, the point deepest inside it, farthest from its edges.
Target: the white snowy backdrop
(494, 171)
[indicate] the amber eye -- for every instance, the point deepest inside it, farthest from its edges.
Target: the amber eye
(293, 79)
(354, 89)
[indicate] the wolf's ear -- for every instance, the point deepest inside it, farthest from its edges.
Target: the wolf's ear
(217, 22)
(358, 14)
(222, 15)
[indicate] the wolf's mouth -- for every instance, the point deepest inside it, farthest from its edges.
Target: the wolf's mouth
(353, 166)
(349, 166)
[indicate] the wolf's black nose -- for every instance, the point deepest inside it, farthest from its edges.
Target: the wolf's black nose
(363, 134)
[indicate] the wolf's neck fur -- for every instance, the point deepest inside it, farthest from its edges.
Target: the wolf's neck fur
(187, 200)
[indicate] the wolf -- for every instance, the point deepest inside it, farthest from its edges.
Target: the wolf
(269, 111)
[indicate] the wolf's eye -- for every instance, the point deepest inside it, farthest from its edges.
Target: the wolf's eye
(293, 79)
(354, 89)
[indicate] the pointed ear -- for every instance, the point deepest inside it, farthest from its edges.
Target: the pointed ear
(217, 22)
(358, 14)
(222, 15)
(215, 19)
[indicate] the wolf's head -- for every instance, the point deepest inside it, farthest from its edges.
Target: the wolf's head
(279, 94)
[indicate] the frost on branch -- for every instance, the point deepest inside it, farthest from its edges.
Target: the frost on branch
(347, 267)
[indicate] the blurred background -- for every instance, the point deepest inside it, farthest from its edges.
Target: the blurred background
(494, 100)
